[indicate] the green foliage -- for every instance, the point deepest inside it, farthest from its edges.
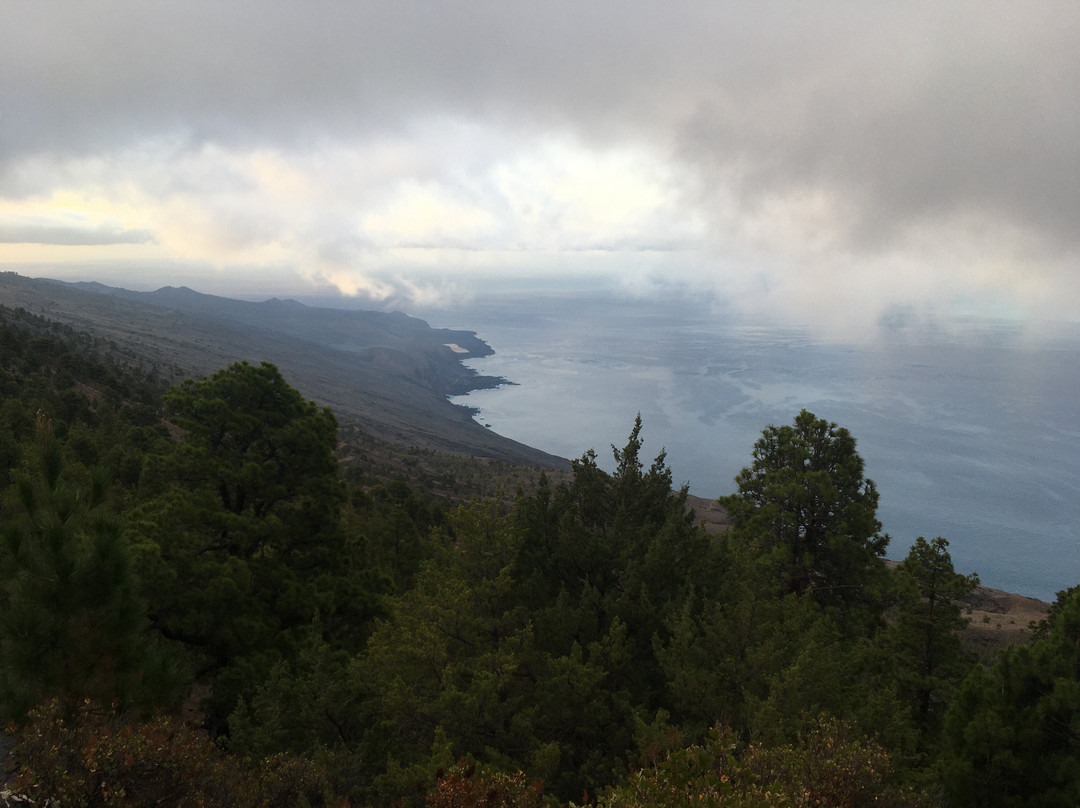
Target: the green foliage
(923, 640)
(619, 546)
(72, 626)
(806, 508)
(605, 561)
(395, 523)
(528, 638)
(357, 639)
(726, 661)
(305, 707)
(104, 414)
(265, 454)
(239, 537)
(707, 775)
(1012, 734)
(768, 665)
(449, 661)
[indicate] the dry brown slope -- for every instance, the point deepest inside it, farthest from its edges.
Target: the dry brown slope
(999, 619)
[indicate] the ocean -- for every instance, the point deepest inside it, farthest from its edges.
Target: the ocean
(971, 433)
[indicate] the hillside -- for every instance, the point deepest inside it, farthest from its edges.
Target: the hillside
(387, 373)
(340, 603)
(999, 619)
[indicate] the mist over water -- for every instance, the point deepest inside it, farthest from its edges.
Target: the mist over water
(972, 434)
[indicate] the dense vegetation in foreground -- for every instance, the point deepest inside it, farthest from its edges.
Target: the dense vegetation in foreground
(201, 602)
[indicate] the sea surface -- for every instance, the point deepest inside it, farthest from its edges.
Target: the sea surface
(970, 432)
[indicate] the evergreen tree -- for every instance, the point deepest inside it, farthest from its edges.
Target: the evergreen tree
(619, 545)
(265, 454)
(454, 662)
(805, 508)
(72, 626)
(766, 665)
(239, 538)
(923, 641)
(1012, 734)
(529, 639)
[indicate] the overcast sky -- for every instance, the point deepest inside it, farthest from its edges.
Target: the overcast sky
(846, 163)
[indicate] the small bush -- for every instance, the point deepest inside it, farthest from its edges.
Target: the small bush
(95, 759)
(467, 786)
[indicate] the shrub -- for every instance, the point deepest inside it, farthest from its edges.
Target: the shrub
(95, 759)
(469, 786)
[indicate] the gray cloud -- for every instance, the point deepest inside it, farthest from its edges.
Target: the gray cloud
(903, 118)
(918, 107)
(967, 109)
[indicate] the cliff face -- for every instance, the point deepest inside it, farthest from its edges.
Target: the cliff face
(387, 373)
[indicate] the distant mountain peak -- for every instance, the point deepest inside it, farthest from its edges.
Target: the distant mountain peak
(187, 290)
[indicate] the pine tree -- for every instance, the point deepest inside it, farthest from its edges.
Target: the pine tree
(239, 539)
(1011, 737)
(806, 508)
(72, 626)
(924, 641)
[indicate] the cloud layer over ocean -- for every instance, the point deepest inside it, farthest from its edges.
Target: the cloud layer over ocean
(839, 163)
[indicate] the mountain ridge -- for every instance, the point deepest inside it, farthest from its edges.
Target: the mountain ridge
(387, 373)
